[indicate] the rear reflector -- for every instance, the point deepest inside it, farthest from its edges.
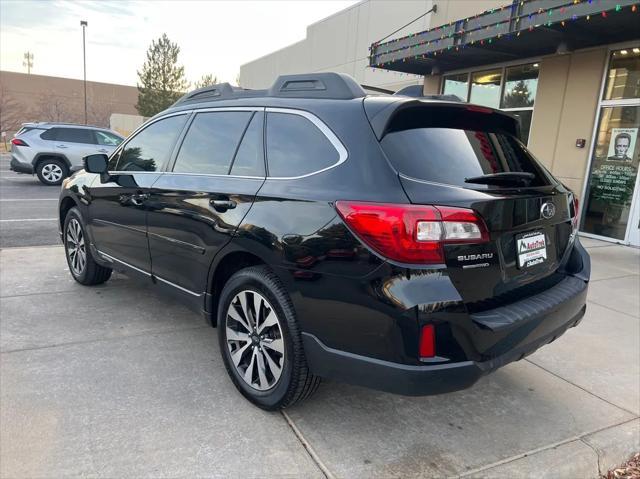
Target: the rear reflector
(427, 341)
(18, 142)
(412, 233)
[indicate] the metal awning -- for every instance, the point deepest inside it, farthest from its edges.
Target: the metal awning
(522, 29)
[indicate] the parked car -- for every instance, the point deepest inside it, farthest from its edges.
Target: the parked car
(55, 150)
(406, 244)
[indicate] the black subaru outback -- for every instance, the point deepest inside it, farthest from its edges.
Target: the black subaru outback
(402, 243)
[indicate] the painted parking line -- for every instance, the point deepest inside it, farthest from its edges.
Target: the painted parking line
(29, 219)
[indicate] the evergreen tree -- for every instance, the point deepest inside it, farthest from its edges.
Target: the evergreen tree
(206, 80)
(162, 80)
(519, 96)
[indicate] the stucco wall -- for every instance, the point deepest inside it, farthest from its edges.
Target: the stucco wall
(565, 110)
(341, 42)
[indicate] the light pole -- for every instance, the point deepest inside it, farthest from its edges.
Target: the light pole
(84, 24)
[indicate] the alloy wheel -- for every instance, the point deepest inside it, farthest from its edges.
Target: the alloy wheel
(76, 247)
(52, 172)
(255, 341)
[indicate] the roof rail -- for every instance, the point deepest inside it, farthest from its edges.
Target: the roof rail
(415, 91)
(326, 85)
(329, 85)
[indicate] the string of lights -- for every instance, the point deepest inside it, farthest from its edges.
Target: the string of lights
(540, 18)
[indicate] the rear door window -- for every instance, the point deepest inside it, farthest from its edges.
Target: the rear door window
(107, 139)
(451, 155)
(297, 147)
(249, 160)
(75, 135)
(211, 142)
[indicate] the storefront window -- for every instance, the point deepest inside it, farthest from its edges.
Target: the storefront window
(485, 88)
(623, 79)
(614, 168)
(457, 85)
(520, 86)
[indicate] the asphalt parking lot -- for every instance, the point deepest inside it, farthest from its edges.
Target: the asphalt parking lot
(27, 209)
(118, 381)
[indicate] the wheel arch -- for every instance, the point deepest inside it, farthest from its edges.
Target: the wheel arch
(65, 206)
(222, 268)
(40, 157)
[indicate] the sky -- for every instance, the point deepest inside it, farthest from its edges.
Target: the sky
(214, 36)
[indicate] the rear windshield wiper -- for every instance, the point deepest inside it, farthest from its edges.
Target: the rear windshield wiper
(506, 178)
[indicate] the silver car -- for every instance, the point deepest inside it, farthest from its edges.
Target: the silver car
(55, 150)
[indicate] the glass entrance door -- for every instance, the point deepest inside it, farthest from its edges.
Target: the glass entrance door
(611, 197)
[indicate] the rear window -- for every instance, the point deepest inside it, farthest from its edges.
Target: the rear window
(450, 155)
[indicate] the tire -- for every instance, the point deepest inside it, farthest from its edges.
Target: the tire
(82, 265)
(52, 171)
(294, 382)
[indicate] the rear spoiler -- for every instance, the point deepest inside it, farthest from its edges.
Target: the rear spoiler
(386, 115)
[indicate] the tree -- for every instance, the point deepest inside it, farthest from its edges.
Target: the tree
(162, 80)
(54, 109)
(205, 80)
(519, 96)
(11, 112)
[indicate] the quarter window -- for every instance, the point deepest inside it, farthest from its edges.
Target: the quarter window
(296, 147)
(151, 147)
(211, 142)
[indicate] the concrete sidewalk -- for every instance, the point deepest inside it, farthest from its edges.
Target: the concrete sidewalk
(117, 381)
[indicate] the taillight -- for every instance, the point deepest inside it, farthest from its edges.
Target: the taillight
(427, 341)
(575, 208)
(18, 142)
(412, 233)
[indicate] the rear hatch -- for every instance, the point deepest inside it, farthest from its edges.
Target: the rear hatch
(466, 156)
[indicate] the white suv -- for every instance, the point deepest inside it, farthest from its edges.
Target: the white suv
(55, 150)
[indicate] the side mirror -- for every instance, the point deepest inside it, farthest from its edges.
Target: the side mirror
(98, 164)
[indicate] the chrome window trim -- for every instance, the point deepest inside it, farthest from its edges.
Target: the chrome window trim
(213, 175)
(326, 131)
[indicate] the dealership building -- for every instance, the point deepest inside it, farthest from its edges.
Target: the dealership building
(569, 69)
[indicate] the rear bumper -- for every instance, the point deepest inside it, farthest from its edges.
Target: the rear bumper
(410, 380)
(20, 167)
(516, 330)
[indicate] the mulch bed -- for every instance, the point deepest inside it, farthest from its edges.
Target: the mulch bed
(629, 470)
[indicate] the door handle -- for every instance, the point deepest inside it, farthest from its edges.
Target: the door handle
(103, 151)
(222, 205)
(62, 146)
(138, 199)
